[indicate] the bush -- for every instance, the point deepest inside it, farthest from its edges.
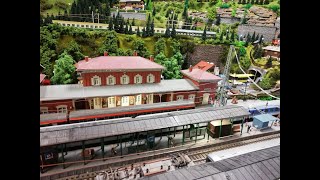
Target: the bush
(129, 38)
(274, 7)
(247, 6)
(61, 5)
(158, 17)
(225, 6)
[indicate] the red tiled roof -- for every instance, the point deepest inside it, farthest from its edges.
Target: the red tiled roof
(117, 63)
(42, 76)
(200, 75)
(203, 65)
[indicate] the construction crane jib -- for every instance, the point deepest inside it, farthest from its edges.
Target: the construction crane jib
(222, 93)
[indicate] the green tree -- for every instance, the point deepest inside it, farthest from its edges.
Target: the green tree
(221, 37)
(73, 49)
(130, 30)
(139, 46)
(138, 32)
(258, 52)
(261, 39)
(248, 39)
(266, 2)
(173, 32)
(204, 34)
(133, 23)
(154, 11)
(144, 33)
(175, 46)
(167, 33)
(253, 38)
(242, 51)
(149, 5)
(252, 2)
(151, 33)
(218, 20)
(172, 66)
(64, 70)
(107, 12)
(269, 63)
(245, 62)
(110, 24)
(159, 46)
(265, 83)
(232, 36)
(126, 29)
(178, 56)
(110, 43)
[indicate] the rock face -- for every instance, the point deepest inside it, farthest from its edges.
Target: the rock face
(208, 53)
(256, 15)
(267, 32)
(261, 17)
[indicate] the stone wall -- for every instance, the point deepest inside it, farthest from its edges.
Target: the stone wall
(267, 32)
(208, 53)
(229, 20)
(131, 15)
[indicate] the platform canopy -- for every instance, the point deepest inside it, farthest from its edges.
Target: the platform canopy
(105, 128)
(262, 164)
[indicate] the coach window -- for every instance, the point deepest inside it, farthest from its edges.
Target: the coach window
(150, 78)
(138, 79)
(180, 98)
(62, 109)
(44, 110)
(95, 81)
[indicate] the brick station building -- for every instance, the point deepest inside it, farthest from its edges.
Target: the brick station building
(114, 81)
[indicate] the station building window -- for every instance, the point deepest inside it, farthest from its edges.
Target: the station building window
(111, 80)
(180, 98)
(62, 109)
(124, 79)
(96, 81)
(150, 78)
(44, 110)
(191, 96)
(138, 79)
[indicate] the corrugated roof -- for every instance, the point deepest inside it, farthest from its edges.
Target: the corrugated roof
(265, 117)
(201, 75)
(92, 130)
(76, 91)
(117, 63)
(262, 164)
(42, 76)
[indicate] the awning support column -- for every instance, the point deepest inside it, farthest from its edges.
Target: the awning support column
(196, 132)
(102, 148)
(121, 144)
(241, 126)
(83, 155)
(220, 129)
(183, 135)
(62, 155)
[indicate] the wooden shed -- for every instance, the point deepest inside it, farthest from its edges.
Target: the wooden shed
(214, 128)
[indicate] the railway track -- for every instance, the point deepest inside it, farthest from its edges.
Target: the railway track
(199, 157)
(197, 154)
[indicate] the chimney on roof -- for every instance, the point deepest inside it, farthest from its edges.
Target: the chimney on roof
(105, 53)
(86, 58)
(135, 53)
(151, 58)
(190, 68)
